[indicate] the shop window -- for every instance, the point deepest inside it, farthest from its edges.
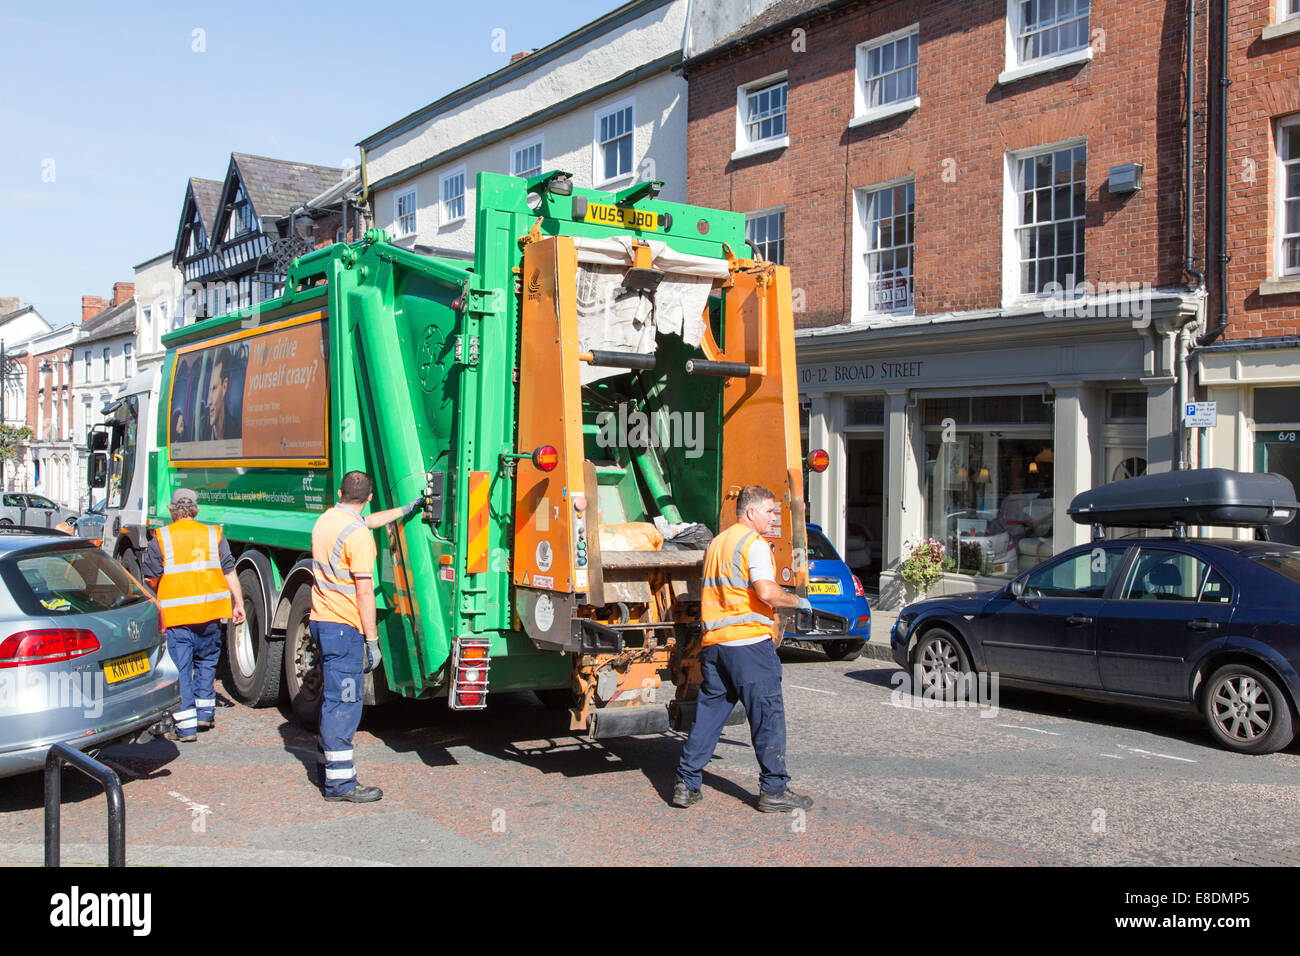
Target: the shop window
(989, 493)
(864, 410)
(1277, 406)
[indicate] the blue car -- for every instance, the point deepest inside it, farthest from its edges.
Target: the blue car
(832, 587)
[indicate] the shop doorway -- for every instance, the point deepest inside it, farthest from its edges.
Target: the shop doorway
(1279, 452)
(864, 508)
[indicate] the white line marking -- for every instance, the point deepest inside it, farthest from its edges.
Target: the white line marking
(1050, 733)
(1152, 753)
(815, 690)
(1111, 756)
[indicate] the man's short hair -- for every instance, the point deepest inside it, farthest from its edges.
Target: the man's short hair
(750, 496)
(185, 509)
(356, 487)
(223, 362)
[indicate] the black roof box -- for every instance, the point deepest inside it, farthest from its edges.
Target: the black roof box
(1205, 496)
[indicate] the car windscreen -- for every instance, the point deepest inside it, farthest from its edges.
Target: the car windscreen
(63, 580)
(1285, 563)
(819, 549)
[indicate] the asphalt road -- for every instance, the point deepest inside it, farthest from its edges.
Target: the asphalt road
(1036, 780)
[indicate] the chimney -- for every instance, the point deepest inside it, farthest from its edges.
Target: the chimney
(8, 304)
(91, 306)
(122, 291)
(519, 56)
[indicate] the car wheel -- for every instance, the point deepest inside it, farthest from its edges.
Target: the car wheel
(302, 667)
(253, 659)
(6, 522)
(939, 664)
(846, 650)
(1246, 710)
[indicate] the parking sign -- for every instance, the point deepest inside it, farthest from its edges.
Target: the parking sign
(1200, 414)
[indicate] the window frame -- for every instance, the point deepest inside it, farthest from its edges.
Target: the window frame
(1018, 68)
(863, 111)
(861, 249)
(445, 220)
(764, 214)
(745, 146)
(1284, 11)
(598, 178)
(1130, 578)
(1123, 567)
(1012, 296)
(1280, 199)
(526, 144)
(414, 193)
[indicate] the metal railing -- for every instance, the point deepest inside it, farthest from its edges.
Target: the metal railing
(59, 755)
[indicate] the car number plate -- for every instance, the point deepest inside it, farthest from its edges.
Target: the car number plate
(829, 588)
(124, 668)
(621, 217)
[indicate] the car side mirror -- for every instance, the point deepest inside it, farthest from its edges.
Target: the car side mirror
(1018, 589)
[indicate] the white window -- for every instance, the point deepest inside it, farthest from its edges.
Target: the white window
(87, 365)
(1048, 196)
(1288, 9)
(760, 116)
(1046, 28)
(887, 70)
(1288, 197)
(526, 158)
(766, 233)
(108, 352)
(451, 193)
(886, 217)
(404, 212)
(614, 143)
(162, 324)
(128, 355)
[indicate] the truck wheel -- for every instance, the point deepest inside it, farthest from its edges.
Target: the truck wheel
(253, 658)
(130, 562)
(302, 671)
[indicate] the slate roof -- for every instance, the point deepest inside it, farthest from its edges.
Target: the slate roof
(207, 193)
(113, 321)
(277, 186)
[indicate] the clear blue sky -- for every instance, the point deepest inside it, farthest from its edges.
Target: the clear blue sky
(116, 97)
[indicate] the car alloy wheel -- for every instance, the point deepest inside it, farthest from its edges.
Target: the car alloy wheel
(941, 665)
(1247, 711)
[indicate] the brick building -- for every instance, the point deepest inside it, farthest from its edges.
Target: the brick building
(983, 207)
(1252, 370)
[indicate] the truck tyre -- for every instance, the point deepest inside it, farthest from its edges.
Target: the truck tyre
(253, 658)
(302, 672)
(130, 561)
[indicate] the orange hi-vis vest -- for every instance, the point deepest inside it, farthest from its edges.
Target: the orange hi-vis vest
(729, 605)
(192, 589)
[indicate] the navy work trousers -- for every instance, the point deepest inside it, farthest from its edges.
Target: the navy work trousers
(195, 649)
(751, 674)
(342, 666)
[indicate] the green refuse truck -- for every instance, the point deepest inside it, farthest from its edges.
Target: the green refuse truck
(578, 408)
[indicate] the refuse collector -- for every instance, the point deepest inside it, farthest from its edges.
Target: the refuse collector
(189, 566)
(343, 626)
(738, 660)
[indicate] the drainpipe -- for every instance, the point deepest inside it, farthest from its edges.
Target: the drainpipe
(1221, 200)
(1189, 167)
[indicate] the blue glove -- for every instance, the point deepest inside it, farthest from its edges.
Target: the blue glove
(805, 604)
(415, 507)
(373, 657)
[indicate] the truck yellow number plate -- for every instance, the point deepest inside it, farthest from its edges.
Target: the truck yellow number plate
(124, 668)
(623, 218)
(823, 589)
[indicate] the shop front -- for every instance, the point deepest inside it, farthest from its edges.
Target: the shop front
(978, 433)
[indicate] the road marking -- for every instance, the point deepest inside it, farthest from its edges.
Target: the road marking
(815, 690)
(1111, 756)
(1152, 753)
(1050, 733)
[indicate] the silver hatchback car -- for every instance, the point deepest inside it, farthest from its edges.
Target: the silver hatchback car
(83, 656)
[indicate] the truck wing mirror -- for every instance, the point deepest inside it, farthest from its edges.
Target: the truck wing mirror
(97, 469)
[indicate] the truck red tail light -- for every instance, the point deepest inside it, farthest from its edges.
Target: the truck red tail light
(818, 460)
(46, 646)
(470, 661)
(546, 457)
(857, 587)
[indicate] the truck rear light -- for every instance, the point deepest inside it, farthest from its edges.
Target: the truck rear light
(818, 460)
(546, 457)
(46, 646)
(857, 587)
(470, 661)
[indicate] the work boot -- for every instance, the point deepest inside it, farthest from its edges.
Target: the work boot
(783, 802)
(207, 724)
(683, 797)
(172, 735)
(357, 794)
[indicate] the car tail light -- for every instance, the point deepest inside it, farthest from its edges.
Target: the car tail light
(470, 660)
(864, 621)
(857, 587)
(818, 460)
(46, 646)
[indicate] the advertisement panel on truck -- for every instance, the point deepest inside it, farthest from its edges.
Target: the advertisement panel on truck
(253, 398)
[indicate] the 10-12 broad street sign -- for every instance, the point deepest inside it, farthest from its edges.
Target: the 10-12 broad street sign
(1200, 414)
